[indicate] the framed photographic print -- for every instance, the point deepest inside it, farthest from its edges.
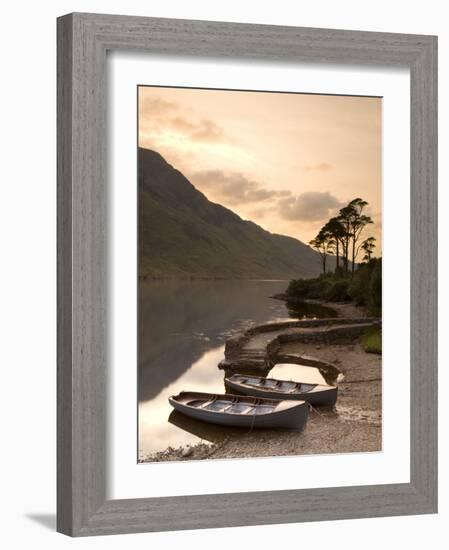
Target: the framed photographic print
(243, 338)
(219, 247)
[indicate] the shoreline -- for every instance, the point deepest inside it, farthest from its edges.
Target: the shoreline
(354, 425)
(344, 309)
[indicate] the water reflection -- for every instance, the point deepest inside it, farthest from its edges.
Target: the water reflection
(182, 330)
(290, 367)
(300, 310)
(289, 371)
(180, 320)
(155, 433)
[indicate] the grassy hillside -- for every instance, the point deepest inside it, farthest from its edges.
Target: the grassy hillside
(182, 234)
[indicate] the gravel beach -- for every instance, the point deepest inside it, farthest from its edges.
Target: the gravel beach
(355, 425)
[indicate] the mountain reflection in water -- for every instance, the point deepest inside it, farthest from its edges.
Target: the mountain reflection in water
(183, 326)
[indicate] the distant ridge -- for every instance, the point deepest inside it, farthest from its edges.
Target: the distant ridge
(184, 235)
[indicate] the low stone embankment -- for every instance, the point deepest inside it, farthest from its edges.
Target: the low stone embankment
(258, 347)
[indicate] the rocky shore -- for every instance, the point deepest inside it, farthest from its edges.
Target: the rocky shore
(354, 425)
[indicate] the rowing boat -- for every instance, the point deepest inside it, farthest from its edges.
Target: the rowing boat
(241, 411)
(270, 388)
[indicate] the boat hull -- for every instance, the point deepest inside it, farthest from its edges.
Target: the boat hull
(321, 396)
(288, 418)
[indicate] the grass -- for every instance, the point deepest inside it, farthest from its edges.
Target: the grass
(372, 340)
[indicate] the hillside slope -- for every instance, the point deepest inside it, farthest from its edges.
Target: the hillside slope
(182, 234)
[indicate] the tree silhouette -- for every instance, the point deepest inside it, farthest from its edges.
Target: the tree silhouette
(344, 217)
(344, 232)
(335, 228)
(353, 221)
(324, 244)
(368, 246)
(358, 222)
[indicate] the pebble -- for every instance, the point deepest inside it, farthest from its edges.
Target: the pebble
(187, 451)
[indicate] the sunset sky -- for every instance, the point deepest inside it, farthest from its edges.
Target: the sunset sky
(287, 162)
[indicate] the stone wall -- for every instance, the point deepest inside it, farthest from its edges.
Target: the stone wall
(240, 358)
(310, 323)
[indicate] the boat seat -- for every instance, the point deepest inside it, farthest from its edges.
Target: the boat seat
(269, 383)
(198, 403)
(252, 381)
(218, 405)
(288, 387)
(306, 387)
(239, 408)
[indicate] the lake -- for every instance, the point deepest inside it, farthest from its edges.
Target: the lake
(183, 326)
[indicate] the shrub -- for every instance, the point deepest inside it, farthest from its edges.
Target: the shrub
(371, 340)
(297, 288)
(337, 291)
(358, 286)
(375, 290)
(301, 289)
(364, 287)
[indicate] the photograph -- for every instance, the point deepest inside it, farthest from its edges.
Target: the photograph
(259, 274)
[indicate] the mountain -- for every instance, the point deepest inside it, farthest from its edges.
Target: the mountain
(182, 234)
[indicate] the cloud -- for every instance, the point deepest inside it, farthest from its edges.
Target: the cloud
(201, 130)
(234, 188)
(309, 206)
(156, 106)
(320, 167)
(157, 115)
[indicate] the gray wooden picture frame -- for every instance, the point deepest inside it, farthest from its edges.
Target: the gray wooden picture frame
(83, 40)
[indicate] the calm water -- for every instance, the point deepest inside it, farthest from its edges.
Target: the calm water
(182, 330)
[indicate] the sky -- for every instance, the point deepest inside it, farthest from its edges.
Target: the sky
(286, 161)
